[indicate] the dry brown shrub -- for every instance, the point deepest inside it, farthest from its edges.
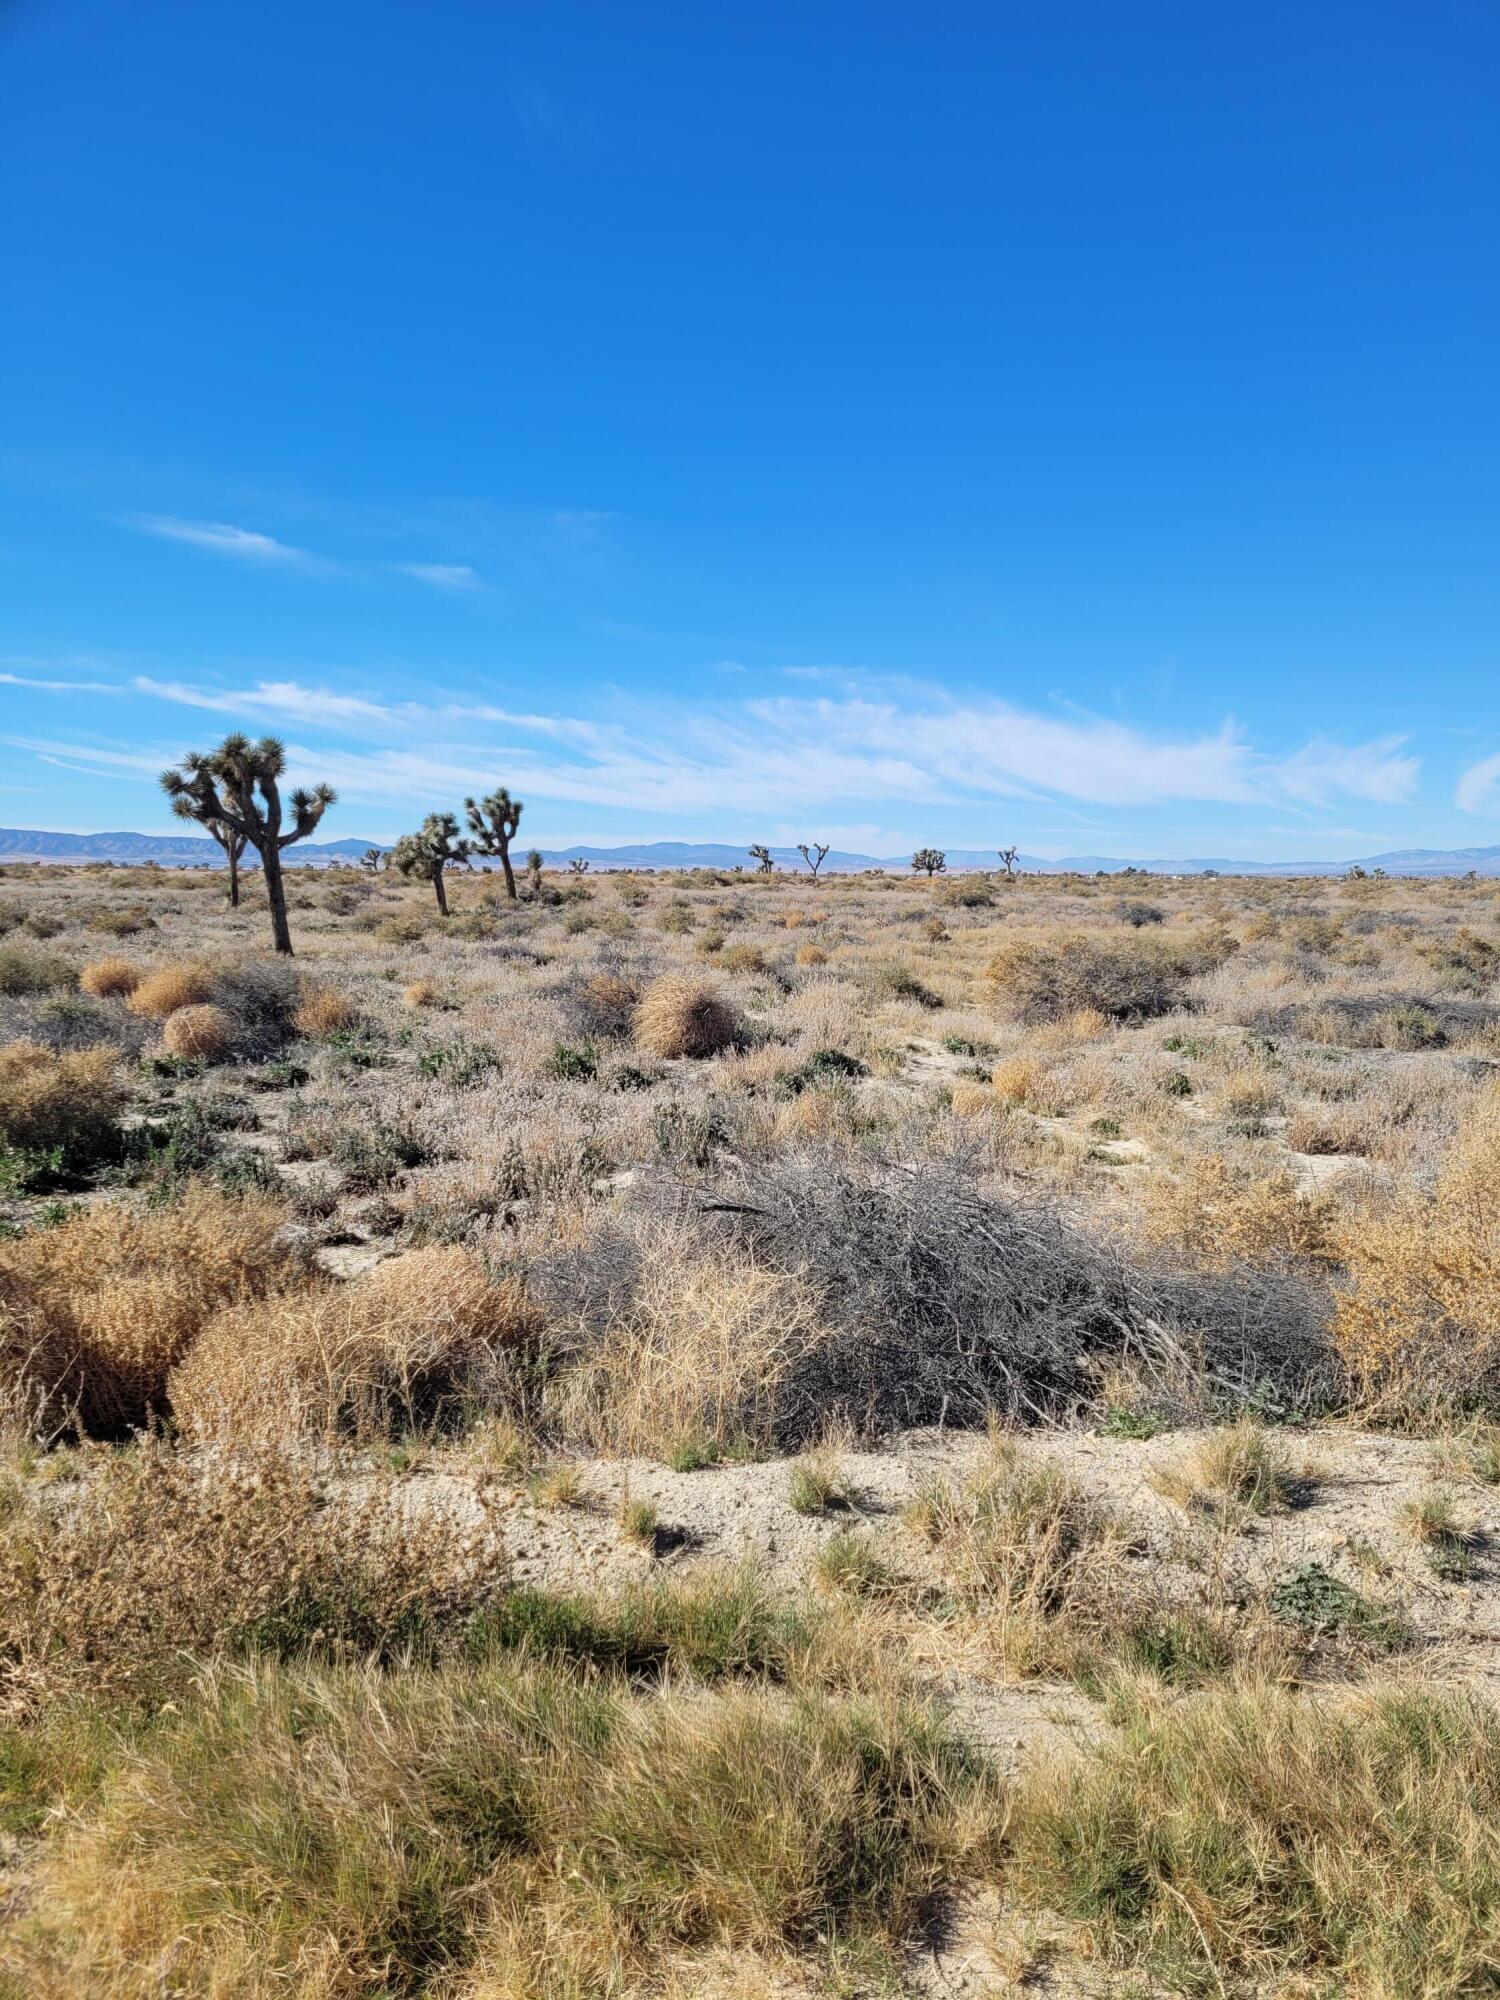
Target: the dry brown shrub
(421, 993)
(98, 1310)
(702, 1349)
(744, 958)
(323, 1011)
(162, 992)
(1049, 979)
(1419, 1322)
(608, 1001)
(811, 954)
(1020, 1080)
(682, 1016)
(110, 978)
(1223, 1214)
(401, 1350)
(70, 1099)
(971, 1100)
(205, 1032)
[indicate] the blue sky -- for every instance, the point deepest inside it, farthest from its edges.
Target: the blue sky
(1066, 423)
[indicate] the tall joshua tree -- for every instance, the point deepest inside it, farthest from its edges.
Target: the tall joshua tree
(493, 822)
(930, 859)
(1008, 859)
(814, 856)
(434, 847)
(238, 787)
(761, 856)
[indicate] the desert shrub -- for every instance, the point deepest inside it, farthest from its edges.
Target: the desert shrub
(1342, 1846)
(169, 987)
(665, 1337)
(811, 954)
(1227, 1213)
(600, 1007)
(24, 973)
(110, 978)
(63, 1106)
(96, 1312)
(323, 1011)
(421, 993)
(682, 1016)
(129, 922)
(164, 1553)
(1047, 980)
(1418, 1318)
(408, 1348)
(933, 1302)
(204, 1033)
(888, 979)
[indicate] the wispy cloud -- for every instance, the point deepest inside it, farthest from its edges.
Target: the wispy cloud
(442, 576)
(59, 687)
(220, 538)
(1479, 787)
(823, 752)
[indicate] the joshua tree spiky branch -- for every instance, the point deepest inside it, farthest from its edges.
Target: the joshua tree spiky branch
(762, 857)
(493, 822)
(238, 786)
(371, 860)
(232, 842)
(428, 852)
(578, 866)
(932, 859)
(1009, 856)
(814, 856)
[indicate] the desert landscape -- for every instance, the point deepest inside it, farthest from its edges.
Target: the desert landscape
(731, 1434)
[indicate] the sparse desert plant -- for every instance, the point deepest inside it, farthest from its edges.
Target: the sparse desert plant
(421, 993)
(186, 983)
(24, 972)
(60, 1106)
(323, 1011)
(1043, 980)
(109, 978)
(204, 1033)
(96, 1312)
(238, 787)
(423, 1338)
(1227, 1213)
(1241, 1466)
(682, 1016)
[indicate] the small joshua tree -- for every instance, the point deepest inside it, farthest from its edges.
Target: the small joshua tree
(1009, 856)
(578, 866)
(233, 844)
(534, 872)
(813, 856)
(371, 860)
(238, 786)
(762, 858)
(493, 822)
(432, 849)
(932, 859)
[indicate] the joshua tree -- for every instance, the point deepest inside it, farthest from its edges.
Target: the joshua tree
(534, 871)
(238, 786)
(578, 866)
(434, 847)
(371, 860)
(932, 859)
(762, 858)
(808, 854)
(233, 844)
(493, 822)
(1009, 856)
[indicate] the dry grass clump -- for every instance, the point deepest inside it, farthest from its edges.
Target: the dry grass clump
(110, 978)
(506, 1829)
(1241, 1466)
(163, 1553)
(205, 1032)
(323, 1011)
(1124, 979)
(66, 1102)
(682, 1016)
(97, 1311)
(421, 993)
(1226, 1213)
(169, 987)
(1418, 1320)
(1024, 1081)
(1279, 1843)
(409, 1348)
(811, 954)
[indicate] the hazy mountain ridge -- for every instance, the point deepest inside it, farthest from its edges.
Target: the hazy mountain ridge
(185, 850)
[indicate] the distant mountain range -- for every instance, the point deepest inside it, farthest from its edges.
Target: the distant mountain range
(194, 850)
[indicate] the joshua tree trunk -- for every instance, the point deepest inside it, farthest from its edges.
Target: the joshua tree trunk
(510, 873)
(276, 896)
(440, 891)
(234, 878)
